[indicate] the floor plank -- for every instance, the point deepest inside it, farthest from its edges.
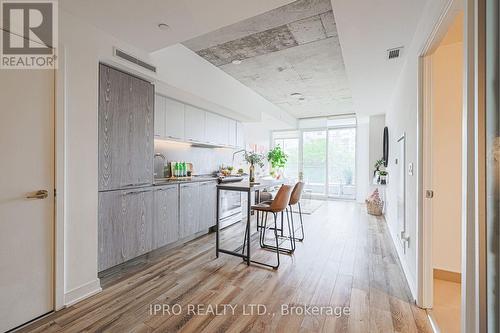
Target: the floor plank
(347, 261)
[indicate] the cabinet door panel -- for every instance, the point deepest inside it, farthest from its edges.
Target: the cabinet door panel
(174, 119)
(141, 135)
(110, 229)
(125, 129)
(194, 124)
(137, 223)
(160, 116)
(125, 226)
(240, 135)
(208, 202)
(231, 132)
(166, 222)
(189, 209)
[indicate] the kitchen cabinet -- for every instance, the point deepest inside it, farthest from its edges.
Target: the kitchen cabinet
(125, 225)
(125, 114)
(160, 116)
(207, 205)
(240, 135)
(166, 215)
(174, 119)
(217, 129)
(231, 124)
(194, 124)
(189, 209)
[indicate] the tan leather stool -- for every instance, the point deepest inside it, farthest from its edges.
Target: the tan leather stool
(278, 205)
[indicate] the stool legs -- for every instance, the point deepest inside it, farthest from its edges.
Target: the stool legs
(301, 238)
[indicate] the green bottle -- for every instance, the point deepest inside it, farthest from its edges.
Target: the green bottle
(176, 169)
(184, 173)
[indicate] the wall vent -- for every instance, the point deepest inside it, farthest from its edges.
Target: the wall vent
(130, 58)
(394, 53)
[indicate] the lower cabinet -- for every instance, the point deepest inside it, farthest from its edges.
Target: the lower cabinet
(207, 205)
(125, 225)
(136, 221)
(189, 212)
(166, 215)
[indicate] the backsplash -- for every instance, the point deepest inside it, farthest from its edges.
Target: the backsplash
(205, 160)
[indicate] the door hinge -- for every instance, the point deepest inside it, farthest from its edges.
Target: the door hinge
(429, 194)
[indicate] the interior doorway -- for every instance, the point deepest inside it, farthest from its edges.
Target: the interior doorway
(26, 196)
(442, 173)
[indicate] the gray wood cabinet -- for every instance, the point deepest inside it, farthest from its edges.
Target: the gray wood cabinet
(194, 124)
(207, 205)
(125, 225)
(166, 219)
(126, 106)
(189, 212)
(160, 116)
(174, 119)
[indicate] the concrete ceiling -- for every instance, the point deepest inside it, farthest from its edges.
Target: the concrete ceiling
(136, 21)
(288, 50)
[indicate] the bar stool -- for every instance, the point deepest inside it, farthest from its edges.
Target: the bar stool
(295, 200)
(278, 205)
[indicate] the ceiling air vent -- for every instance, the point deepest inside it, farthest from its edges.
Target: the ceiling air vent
(130, 58)
(394, 53)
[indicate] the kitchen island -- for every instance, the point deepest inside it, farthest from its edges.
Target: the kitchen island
(250, 189)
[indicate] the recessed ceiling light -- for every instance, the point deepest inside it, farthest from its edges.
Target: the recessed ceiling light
(163, 26)
(236, 62)
(296, 95)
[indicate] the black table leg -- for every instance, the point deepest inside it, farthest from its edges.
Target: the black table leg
(249, 204)
(217, 226)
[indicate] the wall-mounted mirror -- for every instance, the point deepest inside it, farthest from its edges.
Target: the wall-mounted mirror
(386, 146)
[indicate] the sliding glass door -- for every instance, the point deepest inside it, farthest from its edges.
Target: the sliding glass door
(290, 146)
(323, 157)
(314, 161)
(342, 162)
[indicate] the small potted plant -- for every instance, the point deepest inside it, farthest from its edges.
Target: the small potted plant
(383, 177)
(254, 158)
(277, 158)
(240, 171)
(378, 164)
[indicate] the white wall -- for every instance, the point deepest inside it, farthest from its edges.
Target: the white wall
(362, 158)
(402, 117)
(447, 62)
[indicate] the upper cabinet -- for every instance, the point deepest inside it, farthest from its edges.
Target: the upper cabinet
(126, 114)
(194, 124)
(160, 116)
(240, 135)
(175, 120)
(231, 125)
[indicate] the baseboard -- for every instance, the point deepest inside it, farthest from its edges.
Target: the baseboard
(397, 243)
(445, 275)
(80, 293)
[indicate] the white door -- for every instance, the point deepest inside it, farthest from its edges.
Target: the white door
(26, 166)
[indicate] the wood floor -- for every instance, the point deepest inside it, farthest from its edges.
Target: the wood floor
(346, 261)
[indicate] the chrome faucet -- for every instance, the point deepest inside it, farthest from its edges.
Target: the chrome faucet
(164, 161)
(237, 152)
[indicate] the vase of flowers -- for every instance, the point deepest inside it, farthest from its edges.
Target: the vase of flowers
(253, 159)
(277, 158)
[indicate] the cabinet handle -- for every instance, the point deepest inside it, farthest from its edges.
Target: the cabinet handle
(136, 184)
(173, 137)
(136, 192)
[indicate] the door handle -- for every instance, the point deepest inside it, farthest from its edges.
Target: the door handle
(40, 194)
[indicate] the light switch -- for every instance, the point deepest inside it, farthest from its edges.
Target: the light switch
(410, 169)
